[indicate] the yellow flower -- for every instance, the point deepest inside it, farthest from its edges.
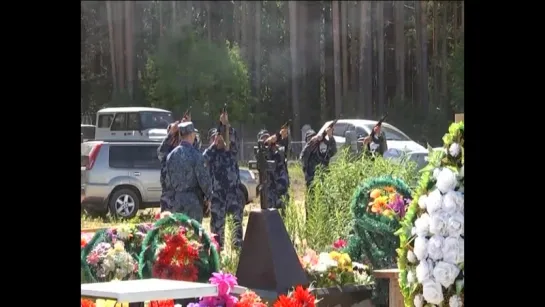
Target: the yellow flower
(375, 193)
(110, 303)
(118, 246)
(344, 262)
(335, 255)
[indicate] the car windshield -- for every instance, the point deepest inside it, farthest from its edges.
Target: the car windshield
(391, 134)
(155, 120)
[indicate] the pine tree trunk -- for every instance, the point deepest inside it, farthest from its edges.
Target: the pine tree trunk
(109, 11)
(366, 61)
(129, 46)
(344, 48)
(294, 65)
(424, 55)
(400, 48)
(257, 51)
(329, 78)
(380, 50)
(302, 56)
(435, 54)
(337, 57)
(444, 55)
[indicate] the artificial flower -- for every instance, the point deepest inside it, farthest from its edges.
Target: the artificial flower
(284, 301)
(161, 303)
(435, 247)
(454, 149)
(303, 297)
(340, 243)
(455, 301)
(424, 270)
(445, 273)
(432, 292)
(411, 257)
(422, 201)
(438, 223)
(422, 225)
(411, 277)
(455, 224)
(87, 303)
(452, 250)
(310, 258)
(418, 300)
(110, 303)
(446, 180)
(375, 193)
(421, 248)
(224, 281)
(250, 299)
(434, 201)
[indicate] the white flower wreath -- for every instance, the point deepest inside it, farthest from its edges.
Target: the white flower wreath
(431, 254)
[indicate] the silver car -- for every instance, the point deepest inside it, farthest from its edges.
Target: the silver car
(123, 177)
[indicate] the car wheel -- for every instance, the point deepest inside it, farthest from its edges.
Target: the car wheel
(124, 203)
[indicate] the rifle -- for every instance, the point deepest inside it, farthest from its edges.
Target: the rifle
(372, 135)
(226, 132)
(379, 123)
(323, 133)
(187, 113)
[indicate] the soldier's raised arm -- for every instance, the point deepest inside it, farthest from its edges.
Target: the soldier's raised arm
(209, 155)
(203, 177)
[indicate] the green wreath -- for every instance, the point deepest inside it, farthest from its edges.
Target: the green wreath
(372, 240)
(208, 262)
(427, 182)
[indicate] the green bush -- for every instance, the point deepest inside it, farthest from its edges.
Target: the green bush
(328, 202)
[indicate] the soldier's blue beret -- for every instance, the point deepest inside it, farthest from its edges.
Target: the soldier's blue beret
(262, 133)
(186, 128)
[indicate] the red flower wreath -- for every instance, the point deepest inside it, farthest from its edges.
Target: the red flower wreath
(177, 259)
(87, 303)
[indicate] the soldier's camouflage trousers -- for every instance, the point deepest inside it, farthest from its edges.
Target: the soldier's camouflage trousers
(226, 202)
(164, 202)
(187, 203)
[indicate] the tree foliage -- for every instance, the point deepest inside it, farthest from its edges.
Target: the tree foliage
(190, 71)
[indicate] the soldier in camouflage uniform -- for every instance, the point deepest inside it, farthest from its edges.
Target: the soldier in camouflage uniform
(317, 151)
(278, 178)
(223, 166)
(169, 143)
(187, 176)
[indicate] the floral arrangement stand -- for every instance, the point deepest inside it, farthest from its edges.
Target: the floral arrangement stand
(268, 260)
(178, 248)
(377, 206)
(431, 250)
(395, 298)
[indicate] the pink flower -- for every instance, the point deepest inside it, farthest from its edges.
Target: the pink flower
(339, 244)
(224, 281)
(310, 258)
